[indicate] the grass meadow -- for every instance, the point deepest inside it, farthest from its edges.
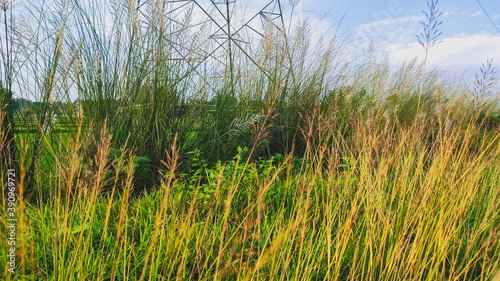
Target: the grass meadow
(193, 155)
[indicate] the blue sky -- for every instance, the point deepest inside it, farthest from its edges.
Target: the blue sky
(469, 37)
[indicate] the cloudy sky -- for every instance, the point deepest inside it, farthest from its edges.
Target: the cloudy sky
(470, 29)
(469, 37)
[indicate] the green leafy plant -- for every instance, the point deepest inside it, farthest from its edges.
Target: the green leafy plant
(141, 164)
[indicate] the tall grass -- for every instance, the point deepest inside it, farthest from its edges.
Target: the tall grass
(200, 157)
(428, 37)
(395, 206)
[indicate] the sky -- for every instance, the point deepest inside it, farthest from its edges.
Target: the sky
(468, 37)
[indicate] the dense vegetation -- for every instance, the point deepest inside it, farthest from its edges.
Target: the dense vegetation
(191, 157)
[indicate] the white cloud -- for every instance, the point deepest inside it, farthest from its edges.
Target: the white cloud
(448, 13)
(394, 30)
(461, 51)
(382, 25)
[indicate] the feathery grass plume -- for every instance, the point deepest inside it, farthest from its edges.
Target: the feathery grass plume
(244, 124)
(483, 84)
(428, 37)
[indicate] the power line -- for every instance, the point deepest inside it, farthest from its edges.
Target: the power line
(488, 16)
